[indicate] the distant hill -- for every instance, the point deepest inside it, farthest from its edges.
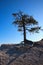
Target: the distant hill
(20, 54)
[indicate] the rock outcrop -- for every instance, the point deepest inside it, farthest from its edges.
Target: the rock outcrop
(22, 55)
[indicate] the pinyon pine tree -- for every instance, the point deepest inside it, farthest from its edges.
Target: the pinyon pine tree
(25, 23)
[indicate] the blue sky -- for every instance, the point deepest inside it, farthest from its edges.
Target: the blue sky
(8, 32)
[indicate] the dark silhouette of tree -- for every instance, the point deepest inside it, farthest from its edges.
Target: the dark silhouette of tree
(25, 23)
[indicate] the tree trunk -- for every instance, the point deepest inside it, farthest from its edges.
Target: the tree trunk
(24, 30)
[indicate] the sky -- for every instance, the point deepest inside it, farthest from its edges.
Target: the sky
(8, 32)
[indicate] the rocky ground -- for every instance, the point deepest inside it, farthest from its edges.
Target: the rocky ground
(22, 54)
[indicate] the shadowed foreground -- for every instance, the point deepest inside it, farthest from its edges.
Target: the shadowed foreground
(19, 54)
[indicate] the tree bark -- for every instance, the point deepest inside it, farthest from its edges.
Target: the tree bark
(24, 30)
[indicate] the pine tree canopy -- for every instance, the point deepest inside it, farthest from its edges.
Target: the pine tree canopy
(30, 23)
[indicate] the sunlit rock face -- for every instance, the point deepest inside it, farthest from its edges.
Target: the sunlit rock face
(4, 58)
(17, 54)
